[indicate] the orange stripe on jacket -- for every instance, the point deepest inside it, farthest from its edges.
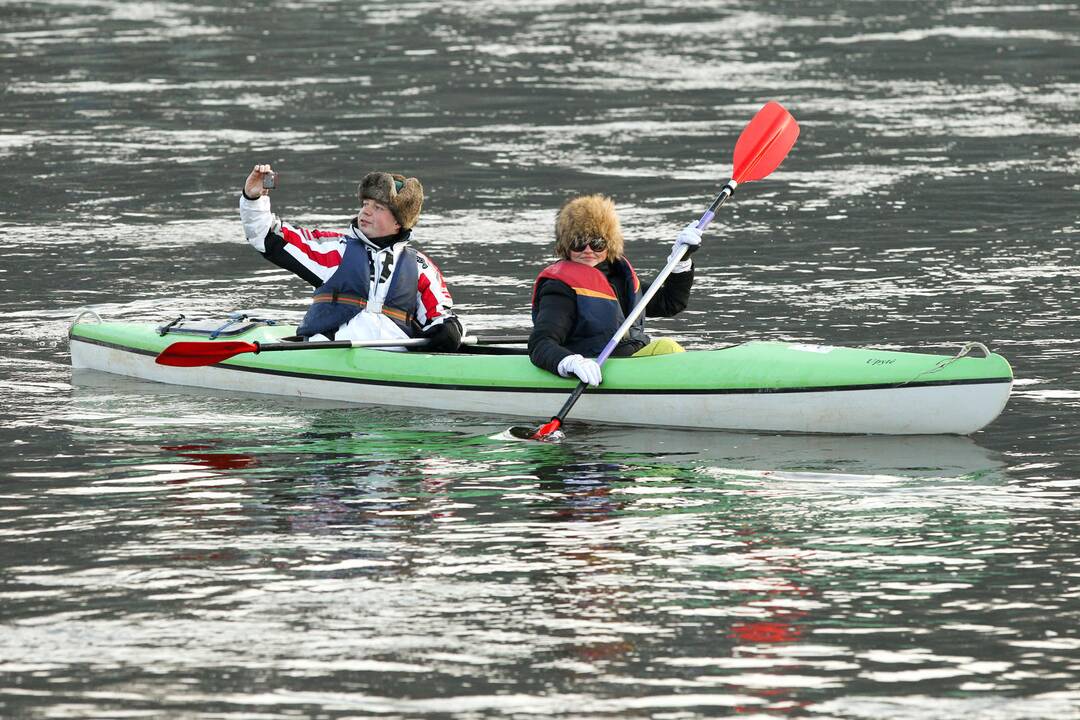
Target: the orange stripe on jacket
(593, 293)
(394, 313)
(582, 279)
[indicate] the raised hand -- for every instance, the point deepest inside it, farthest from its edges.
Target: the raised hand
(253, 186)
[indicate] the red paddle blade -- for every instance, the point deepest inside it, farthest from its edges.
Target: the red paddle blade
(547, 429)
(199, 354)
(764, 143)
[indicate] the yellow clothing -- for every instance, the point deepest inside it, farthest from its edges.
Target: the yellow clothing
(663, 346)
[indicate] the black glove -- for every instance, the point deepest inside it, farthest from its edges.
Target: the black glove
(444, 337)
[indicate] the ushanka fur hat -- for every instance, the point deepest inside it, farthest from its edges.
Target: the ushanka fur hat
(404, 196)
(585, 218)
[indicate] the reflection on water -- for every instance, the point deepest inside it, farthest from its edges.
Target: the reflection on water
(400, 550)
(169, 552)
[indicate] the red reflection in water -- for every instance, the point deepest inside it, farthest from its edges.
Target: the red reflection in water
(604, 651)
(221, 461)
(766, 632)
(216, 461)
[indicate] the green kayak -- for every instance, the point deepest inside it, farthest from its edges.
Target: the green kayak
(753, 386)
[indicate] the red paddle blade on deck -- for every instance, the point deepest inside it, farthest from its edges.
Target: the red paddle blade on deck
(199, 354)
(764, 143)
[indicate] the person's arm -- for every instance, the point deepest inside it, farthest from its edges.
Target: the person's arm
(311, 254)
(433, 301)
(556, 311)
(435, 308)
(255, 207)
(673, 295)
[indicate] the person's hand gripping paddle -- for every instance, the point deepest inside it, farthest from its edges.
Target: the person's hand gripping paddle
(762, 146)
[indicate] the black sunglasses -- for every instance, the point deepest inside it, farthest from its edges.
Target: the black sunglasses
(598, 244)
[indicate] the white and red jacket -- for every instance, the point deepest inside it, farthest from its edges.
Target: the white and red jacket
(314, 255)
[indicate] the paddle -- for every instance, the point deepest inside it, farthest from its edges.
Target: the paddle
(762, 145)
(201, 354)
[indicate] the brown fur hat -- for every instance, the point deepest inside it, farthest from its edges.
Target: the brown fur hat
(404, 196)
(588, 216)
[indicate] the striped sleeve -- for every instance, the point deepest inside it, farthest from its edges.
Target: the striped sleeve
(433, 301)
(314, 255)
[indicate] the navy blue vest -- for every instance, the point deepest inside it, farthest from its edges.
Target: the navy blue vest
(345, 294)
(599, 313)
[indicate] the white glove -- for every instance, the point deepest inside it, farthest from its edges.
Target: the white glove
(690, 237)
(587, 370)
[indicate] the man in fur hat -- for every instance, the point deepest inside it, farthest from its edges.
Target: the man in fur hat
(371, 282)
(580, 301)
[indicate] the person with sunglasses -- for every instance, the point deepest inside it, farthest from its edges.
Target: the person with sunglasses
(581, 300)
(371, 282)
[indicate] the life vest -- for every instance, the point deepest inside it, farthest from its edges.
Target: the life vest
(599, 313)
(347, 291)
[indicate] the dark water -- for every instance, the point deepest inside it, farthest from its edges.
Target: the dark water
(165, 552)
